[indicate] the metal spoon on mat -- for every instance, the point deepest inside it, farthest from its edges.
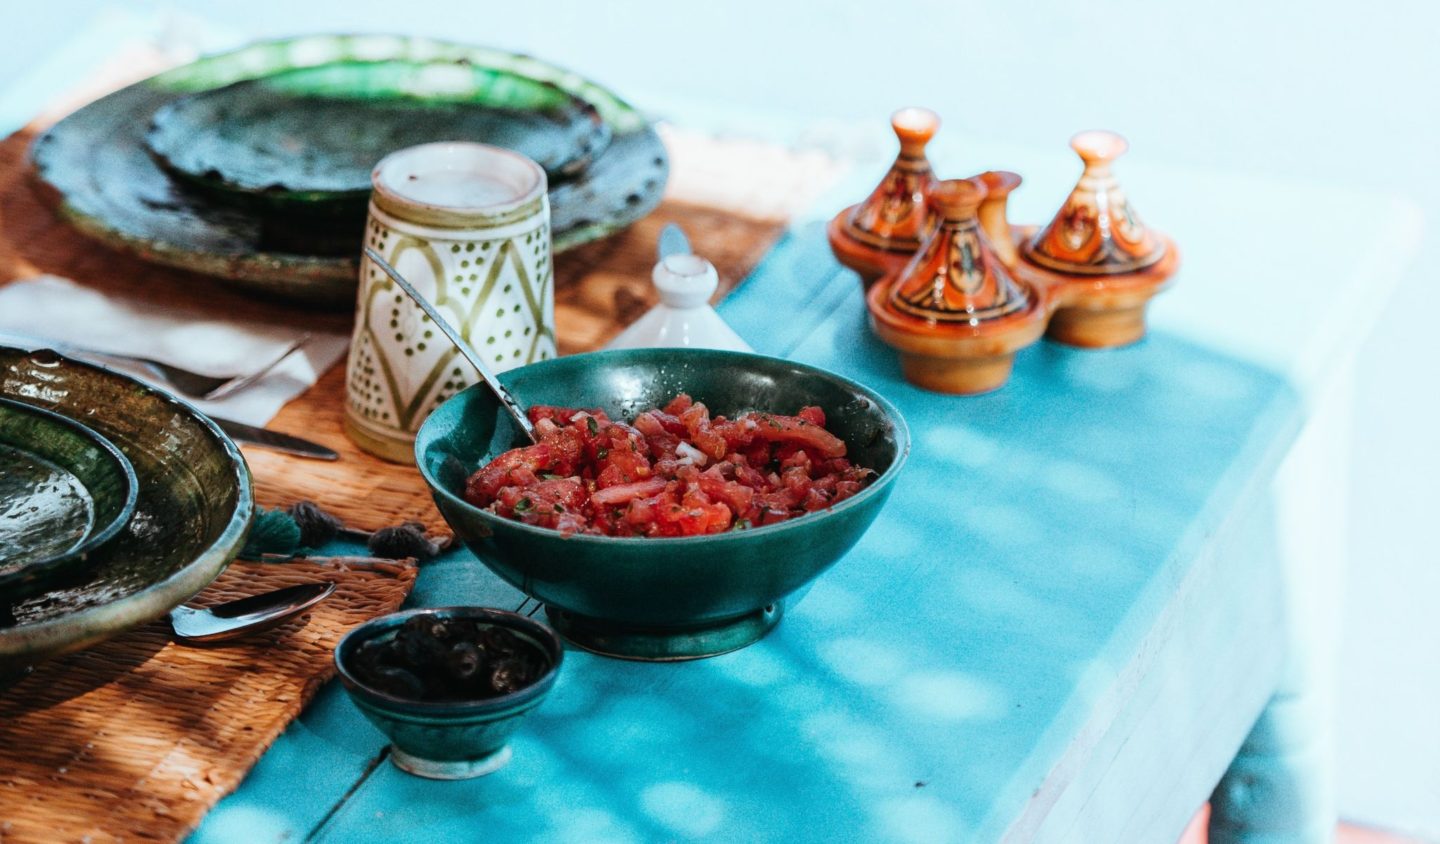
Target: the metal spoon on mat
(507, 400)
(246, 615)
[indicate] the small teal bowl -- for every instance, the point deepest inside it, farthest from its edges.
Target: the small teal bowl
(662, 599)
(449, 740)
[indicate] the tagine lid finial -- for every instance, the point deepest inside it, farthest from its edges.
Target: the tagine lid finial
(956, 279)
(894, 216)
(1096, 232)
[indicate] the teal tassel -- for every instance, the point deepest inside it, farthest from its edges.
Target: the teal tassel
(271, 532)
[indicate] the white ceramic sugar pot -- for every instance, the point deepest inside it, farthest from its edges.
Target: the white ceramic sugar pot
(684, 317)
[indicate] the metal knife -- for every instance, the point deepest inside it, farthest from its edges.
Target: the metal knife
(274, 440)
(673, 241)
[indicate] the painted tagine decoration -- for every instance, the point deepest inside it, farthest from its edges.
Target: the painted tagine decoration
(1096, 232)
(958, 291)
(1099, 264)
(880, 234)
(955, 312)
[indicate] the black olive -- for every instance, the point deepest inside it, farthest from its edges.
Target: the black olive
(498, 642)
(420, 650)
(509, 675)
(464, 661)
(398, 682)
(369, 654)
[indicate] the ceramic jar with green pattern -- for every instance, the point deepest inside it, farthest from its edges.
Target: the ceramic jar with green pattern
(469, 225)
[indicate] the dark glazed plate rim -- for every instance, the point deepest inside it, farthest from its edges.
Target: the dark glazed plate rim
(97, 536)
(68, 631)
(164, 133)
(902, 442)
(549, 640)
(154, 215)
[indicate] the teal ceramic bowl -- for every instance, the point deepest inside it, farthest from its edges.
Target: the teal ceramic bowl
(662, 598)
(444, 739)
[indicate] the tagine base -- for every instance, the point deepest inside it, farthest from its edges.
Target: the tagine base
(663, 644)
(461, 769)
(957, 376)
(1104, 328)
(960, 361)
(1098, 311)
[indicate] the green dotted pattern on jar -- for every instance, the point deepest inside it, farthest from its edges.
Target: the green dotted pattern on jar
(495, 292)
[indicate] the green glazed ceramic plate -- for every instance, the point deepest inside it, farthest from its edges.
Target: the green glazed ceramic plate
(95, 168)
(192, 510)
(305, 141)
(64, 492)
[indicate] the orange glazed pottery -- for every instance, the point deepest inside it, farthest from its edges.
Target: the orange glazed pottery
(1098, 262)
(954, 312)
(993, 218)
(879, 236)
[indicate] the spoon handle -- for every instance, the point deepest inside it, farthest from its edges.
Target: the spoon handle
(517, 413)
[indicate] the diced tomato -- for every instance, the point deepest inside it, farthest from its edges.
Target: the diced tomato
(610, 496)
(480, 489)
(737, 496)
(676, 471)
(561, 415)
(547, 502)
(791, 429)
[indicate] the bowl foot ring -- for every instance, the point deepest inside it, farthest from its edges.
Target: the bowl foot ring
(462, 769)
(664, 644)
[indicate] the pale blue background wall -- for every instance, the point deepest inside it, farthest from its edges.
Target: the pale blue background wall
(1323, 91)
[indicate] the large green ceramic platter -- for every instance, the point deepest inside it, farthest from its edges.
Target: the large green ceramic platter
(64, 492)
(306, 140)
(192, 510)
(96, 169)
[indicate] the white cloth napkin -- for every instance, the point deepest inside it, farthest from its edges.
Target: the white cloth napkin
(59, 310)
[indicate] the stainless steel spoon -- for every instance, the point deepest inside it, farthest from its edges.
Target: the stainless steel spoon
(512, 407)
(246, 615)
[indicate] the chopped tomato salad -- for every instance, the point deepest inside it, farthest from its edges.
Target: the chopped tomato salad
(674, 471)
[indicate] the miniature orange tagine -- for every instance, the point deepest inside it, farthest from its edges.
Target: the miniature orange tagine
(954, 312)
(881, 234)
(1099, 264)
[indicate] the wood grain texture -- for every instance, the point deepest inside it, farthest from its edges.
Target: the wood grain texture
(138, 737)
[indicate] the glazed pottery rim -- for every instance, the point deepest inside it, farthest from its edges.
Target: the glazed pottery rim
(502, 705)
(95, 538)
(394, 201)
(916, 119)
(326, 281)
(886, 478)
(165, 153)
(56, 635)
